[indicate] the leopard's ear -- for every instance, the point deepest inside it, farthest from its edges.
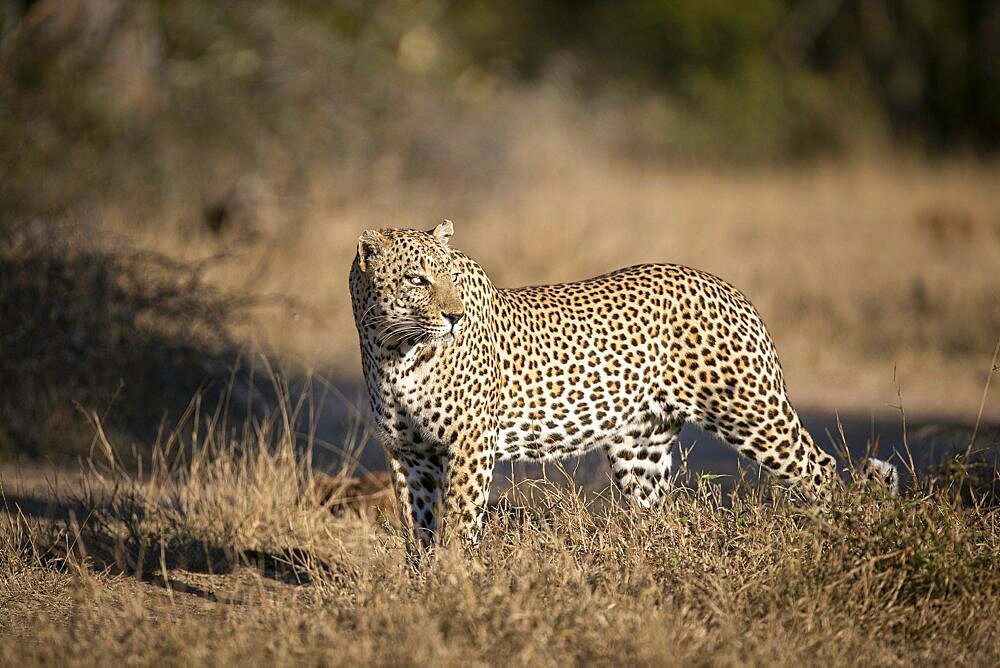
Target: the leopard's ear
(370, 244)
(444, 231)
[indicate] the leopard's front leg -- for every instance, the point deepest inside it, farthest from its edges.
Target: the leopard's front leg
(470, 473)
(449, 489)
(420, 483)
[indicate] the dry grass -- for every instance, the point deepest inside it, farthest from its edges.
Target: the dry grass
(229, 232)
(227, 554)
(223, 547)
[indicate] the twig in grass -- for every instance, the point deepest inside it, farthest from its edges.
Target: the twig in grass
(910, 463)
(982, 403)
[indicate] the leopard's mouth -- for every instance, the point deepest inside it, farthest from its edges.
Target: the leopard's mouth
(444, 336)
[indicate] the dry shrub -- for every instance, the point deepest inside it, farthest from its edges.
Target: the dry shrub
(96, 327)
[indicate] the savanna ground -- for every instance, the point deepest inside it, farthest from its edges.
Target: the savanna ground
(226, 545)
(239, 556)
(179, 424)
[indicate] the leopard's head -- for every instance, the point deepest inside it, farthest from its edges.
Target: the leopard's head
(405, 287)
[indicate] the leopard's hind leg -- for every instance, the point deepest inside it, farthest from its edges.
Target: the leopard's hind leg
(642, 461)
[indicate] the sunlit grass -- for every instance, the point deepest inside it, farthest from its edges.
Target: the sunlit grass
(228, 552)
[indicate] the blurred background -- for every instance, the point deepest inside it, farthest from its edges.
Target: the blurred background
(182, 185)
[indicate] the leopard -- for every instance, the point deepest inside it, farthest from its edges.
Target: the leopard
(462, 374)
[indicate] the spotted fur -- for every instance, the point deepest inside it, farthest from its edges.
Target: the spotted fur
(462, 374)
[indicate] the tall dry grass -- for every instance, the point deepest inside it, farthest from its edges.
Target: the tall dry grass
(227, 555)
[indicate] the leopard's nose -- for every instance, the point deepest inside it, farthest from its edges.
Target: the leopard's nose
(454, 318)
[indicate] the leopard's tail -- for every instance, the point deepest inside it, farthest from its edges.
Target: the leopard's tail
(880, 473)
(821, 470)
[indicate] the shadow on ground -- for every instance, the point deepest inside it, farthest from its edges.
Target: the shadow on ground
(103, 532)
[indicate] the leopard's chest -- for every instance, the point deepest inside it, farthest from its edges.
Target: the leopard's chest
(406, 406)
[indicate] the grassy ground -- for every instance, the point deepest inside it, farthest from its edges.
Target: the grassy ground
(233, 558)
(176, 203)
(222, 549)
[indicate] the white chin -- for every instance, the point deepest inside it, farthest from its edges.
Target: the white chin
(442, 340)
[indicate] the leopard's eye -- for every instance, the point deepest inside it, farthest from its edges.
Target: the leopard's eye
(414, 279)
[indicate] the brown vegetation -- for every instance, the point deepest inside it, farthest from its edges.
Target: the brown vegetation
(182, 187)
(232, 558)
